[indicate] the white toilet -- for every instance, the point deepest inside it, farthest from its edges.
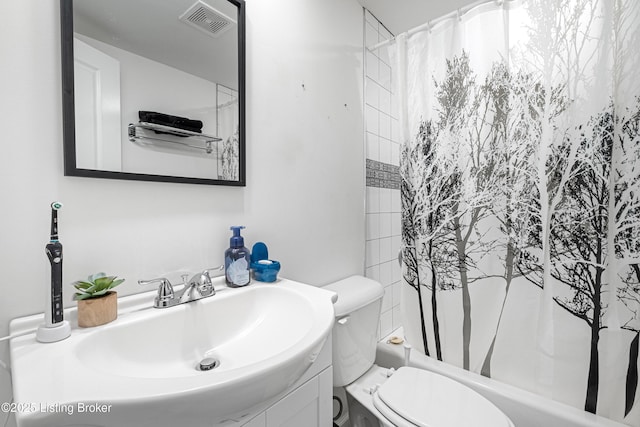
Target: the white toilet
(379, 396)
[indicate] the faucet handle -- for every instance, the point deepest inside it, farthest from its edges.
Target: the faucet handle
(211, 273)
(202, 282)
(199, 286)
(215, 271)
(165, 290)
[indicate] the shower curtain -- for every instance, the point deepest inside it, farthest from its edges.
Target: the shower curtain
(229, 130)
(520, 165)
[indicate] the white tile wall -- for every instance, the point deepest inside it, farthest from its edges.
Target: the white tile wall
(382, 204)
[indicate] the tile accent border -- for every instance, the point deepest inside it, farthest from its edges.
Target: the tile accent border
(382, 175)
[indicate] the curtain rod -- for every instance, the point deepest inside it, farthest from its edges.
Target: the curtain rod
(459, 13)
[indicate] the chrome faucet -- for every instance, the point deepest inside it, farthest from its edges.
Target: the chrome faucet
(198, 287)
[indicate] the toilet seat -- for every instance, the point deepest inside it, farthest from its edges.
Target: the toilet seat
(415, 397)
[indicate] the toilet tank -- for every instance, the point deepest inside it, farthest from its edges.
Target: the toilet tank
(355, 332)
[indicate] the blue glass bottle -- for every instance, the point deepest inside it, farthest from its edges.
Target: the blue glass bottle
(237, 260)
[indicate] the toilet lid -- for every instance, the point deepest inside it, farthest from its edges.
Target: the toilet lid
(426, 399)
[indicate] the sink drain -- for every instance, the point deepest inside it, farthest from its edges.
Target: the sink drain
(207, 364)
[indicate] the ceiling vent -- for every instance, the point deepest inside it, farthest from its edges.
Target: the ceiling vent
(207, 19)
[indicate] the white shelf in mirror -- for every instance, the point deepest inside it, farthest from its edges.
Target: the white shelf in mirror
(193, 141)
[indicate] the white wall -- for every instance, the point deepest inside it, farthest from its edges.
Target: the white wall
(305, 185)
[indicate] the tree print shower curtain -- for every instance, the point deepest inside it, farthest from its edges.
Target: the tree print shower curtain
(520, 190)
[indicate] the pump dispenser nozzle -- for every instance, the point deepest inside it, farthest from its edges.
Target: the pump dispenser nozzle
(236, 241)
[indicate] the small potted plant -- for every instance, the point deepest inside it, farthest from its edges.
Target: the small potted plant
(97, 302)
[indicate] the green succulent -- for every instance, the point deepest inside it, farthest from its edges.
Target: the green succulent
(96, 285)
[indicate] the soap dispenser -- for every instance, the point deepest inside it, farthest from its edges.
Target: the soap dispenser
(237, 260)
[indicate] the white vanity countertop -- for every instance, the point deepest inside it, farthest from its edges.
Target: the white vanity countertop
(265, 335)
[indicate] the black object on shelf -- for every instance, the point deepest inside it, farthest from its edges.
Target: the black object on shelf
(171, 121)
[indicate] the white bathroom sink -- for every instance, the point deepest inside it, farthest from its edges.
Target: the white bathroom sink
(144, 365)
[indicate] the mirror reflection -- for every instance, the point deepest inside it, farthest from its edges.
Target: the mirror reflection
(157, 89)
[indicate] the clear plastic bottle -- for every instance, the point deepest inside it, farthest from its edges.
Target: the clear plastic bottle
(237, 260)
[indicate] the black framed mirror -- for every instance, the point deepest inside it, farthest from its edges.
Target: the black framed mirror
(154, 91)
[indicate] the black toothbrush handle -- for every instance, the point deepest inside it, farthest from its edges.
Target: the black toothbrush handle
(54, 253)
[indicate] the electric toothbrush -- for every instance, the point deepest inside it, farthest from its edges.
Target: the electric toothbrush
(55, 328)
(54, 253)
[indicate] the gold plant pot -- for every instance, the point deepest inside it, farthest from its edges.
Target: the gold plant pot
(98, 311)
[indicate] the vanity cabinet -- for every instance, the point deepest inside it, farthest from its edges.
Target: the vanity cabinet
(308, 402)
(308, 405)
